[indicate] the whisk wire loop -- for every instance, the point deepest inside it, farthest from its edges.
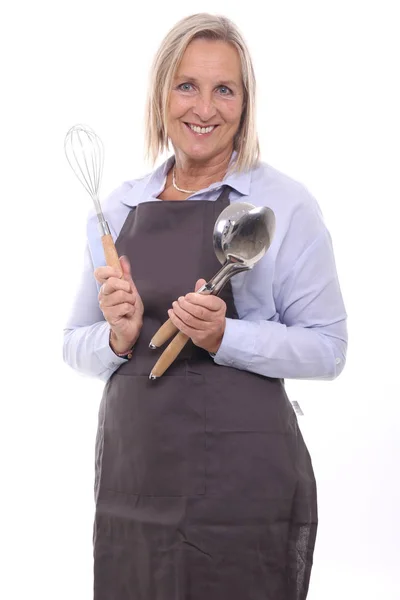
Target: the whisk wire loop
(85, 154)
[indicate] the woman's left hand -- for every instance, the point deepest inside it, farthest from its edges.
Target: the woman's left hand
(201, 317)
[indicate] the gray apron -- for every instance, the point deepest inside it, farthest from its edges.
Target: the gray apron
(204, 486)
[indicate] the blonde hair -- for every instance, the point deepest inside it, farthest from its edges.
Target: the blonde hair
(165, 65)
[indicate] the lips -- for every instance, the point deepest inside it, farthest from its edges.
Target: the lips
(201, 130)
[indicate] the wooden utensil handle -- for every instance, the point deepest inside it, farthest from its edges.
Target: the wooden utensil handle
(163, 334)
(168, 329)
(169, 355)
(110, 253)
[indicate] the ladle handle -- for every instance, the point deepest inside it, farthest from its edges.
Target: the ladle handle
(110, 253)
(168, 329)
(163, 334)
(169, 355)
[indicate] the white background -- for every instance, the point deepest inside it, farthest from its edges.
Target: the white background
(328, 115)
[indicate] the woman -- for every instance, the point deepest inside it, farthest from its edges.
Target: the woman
(204, 486)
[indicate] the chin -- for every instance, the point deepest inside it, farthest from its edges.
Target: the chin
(200, 154)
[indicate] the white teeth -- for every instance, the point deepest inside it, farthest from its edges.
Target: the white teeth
(201, 129)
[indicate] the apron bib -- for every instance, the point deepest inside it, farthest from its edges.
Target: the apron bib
(204, 486)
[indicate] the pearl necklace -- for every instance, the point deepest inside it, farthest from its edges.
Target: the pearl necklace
(180, 189)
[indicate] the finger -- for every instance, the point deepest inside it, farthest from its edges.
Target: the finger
(125, 266)
(102, 274)
(114, 284)
(198, 311)
(207, 300)
(199, 284)
(180, 324)
(126, 271)
(119, 297)
(189, 319)
(114, 313)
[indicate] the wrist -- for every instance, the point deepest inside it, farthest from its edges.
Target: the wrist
(215, 347)
(120, 347)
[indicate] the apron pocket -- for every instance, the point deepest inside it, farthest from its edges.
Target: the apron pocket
(154, 436)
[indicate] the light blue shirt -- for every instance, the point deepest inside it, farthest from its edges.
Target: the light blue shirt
(292, 320)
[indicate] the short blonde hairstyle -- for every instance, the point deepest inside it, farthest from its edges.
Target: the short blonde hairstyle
(165, 65)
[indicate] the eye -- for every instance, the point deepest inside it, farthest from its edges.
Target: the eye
(225, 91)
(185, 87)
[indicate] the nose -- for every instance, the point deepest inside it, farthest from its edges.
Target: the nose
(204, 107)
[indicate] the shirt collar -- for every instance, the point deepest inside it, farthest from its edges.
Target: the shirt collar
(154, 183)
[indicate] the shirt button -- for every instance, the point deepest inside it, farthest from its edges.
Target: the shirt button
(338, 361)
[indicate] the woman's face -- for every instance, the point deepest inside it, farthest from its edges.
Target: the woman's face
(207, 92)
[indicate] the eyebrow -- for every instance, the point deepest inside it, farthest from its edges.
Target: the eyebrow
(227, 82)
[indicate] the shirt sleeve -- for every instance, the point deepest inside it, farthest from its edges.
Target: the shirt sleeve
(308, 339)
(86, 345)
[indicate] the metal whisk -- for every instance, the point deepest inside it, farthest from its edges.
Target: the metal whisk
(85, 154)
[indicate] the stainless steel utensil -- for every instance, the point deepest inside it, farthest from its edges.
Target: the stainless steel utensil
(226, 219)
(85, 154)
(242, 235)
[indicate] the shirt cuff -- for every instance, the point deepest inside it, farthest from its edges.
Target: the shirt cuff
(232, 351)
(104, 351)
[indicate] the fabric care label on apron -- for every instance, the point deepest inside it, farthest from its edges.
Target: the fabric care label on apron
(297, 408)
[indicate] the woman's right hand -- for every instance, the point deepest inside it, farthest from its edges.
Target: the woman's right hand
(121, 305)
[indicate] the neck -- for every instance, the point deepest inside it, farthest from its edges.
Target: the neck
(195, 175)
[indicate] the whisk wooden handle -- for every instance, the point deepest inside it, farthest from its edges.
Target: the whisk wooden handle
(169, 355)
(163, 334)
(110, 252)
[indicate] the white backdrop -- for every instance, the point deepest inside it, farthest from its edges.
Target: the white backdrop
(328, 115)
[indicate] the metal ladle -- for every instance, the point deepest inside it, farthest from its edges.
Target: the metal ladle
(226, 219)
(242, 235)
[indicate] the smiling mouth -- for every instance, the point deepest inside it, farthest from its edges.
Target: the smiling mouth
(201, 130)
